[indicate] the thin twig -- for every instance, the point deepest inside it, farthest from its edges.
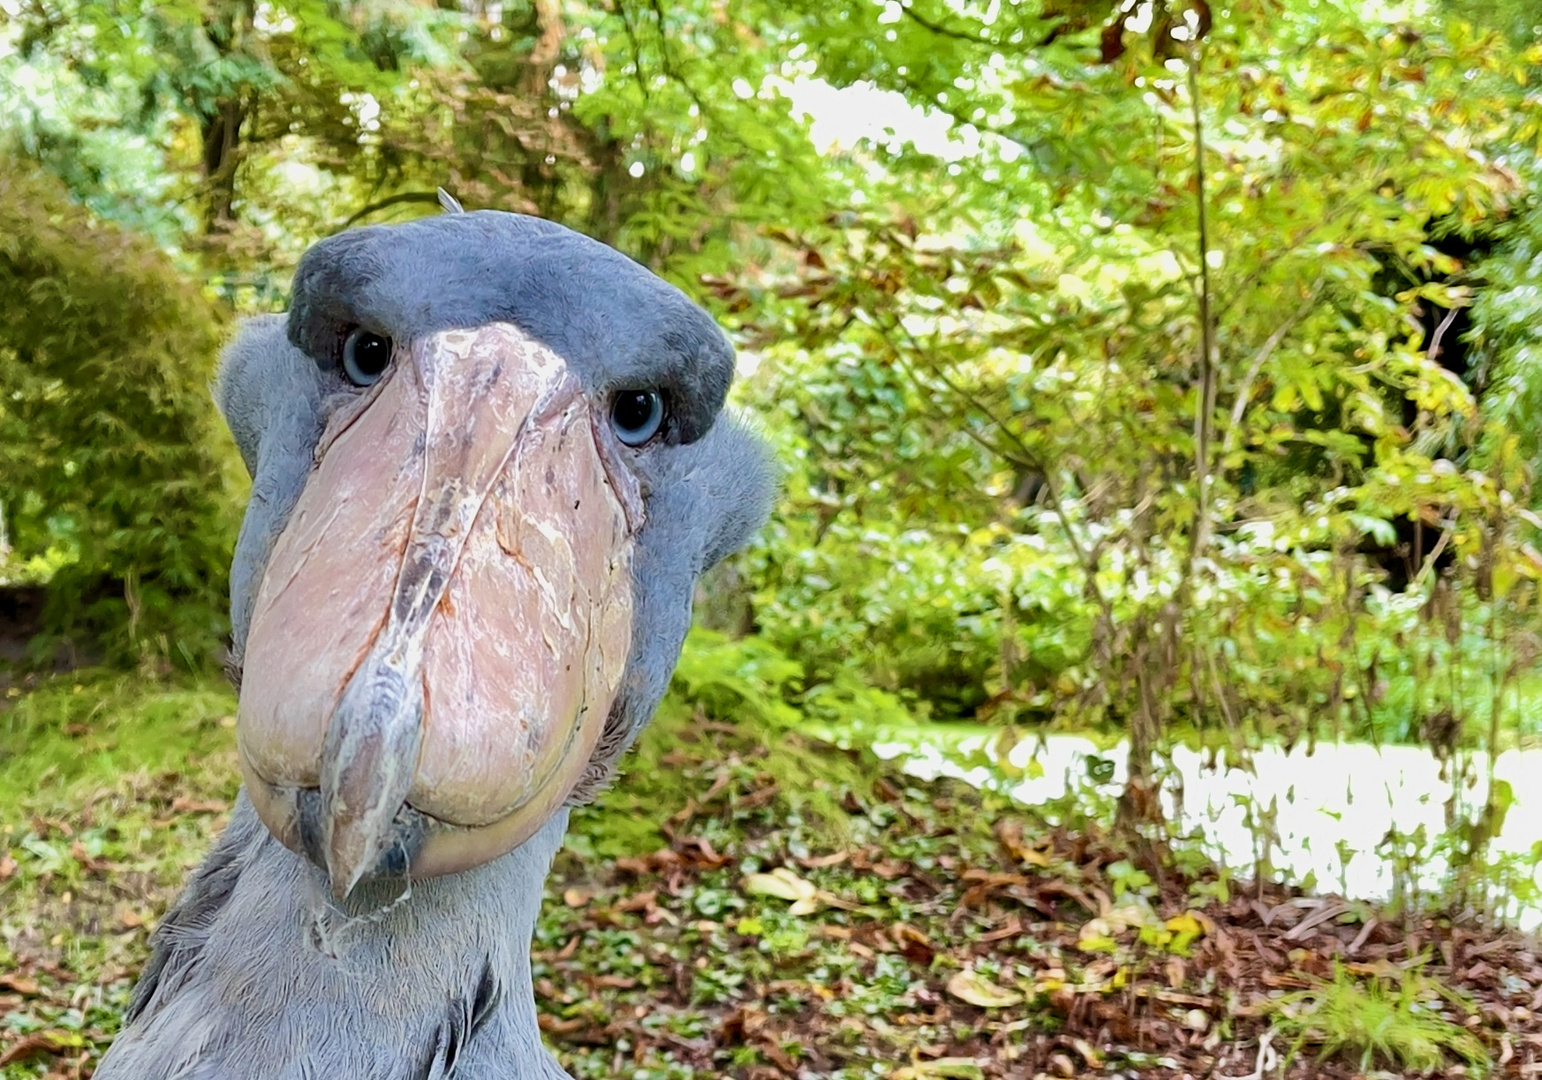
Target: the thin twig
(1242, 290)
(1261, 357)
(1267, 1058)
(637, 57)
(1427, 565)
(393, 200)
(673, 71)
(1204, 420)
(1440, 331)
(1089, 567)
(946, 31)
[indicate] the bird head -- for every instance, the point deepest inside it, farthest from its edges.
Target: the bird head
(489, 463)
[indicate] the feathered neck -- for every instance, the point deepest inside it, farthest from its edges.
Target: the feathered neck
(257, 974)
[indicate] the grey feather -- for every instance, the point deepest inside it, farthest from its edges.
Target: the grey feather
(257, 973)
(273, 398)
(609, 317)
(707, 500)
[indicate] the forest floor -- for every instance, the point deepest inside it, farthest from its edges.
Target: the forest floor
(719, 915)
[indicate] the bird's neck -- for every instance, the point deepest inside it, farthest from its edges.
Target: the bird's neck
(256, 973)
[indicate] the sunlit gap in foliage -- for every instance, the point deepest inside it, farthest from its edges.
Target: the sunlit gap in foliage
(1361, 821)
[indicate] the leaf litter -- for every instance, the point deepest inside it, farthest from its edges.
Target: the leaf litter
(950, 935)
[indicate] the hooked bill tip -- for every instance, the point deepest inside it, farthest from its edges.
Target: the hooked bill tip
(368, 762)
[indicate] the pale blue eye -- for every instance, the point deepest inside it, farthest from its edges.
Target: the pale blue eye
(637, 415)
(365, 357)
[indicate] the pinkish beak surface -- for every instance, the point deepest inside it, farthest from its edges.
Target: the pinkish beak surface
(445, 620)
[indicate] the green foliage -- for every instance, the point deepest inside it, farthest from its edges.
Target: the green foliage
(89, 729)
(745, 933)
(284, 122)
(1060, 453)
(1506, 310)
(1123, 405)
(114, 470)
(1517, 19)
(1400, 1019)
(750, 688)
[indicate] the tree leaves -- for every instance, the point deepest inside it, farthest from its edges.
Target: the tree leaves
(983, 363)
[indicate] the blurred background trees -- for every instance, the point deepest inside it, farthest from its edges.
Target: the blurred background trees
(1145, 365)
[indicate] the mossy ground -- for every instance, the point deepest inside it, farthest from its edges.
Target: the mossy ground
(709, 919)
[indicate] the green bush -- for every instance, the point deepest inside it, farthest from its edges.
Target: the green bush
(115, 472)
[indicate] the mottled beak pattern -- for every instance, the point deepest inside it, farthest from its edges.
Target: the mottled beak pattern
(445, 620)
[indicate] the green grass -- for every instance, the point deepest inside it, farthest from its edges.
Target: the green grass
(112, 788)
(77, 733)
(1401, 1018)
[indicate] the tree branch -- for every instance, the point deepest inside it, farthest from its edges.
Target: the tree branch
(637, 57)
(672, 70)
(1260, 358)
(431, 197)
(1204, 420)
(1088, 561)
(1440, 331)
(946, 31)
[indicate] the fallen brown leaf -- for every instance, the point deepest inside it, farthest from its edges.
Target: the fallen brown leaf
(819, 862)
(1014, 928)
(19, 983)
(639, 901)
(33, 1046)
(913, 944)
(659, 860)
(699, 852)
(969, 985)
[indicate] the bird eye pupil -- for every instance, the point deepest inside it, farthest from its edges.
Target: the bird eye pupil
(372, 354)
(632, 409)
(637, 415)
(366, 355)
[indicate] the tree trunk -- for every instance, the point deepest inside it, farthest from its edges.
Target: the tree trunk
(221, 154)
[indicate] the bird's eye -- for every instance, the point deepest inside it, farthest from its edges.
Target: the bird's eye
(637, 415)
(365, 356)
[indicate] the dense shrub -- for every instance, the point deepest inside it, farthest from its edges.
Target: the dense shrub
(115, 478)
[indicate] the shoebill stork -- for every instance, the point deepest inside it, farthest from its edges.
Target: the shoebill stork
(489, 463)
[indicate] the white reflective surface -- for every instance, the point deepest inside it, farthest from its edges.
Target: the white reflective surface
(1326, 813)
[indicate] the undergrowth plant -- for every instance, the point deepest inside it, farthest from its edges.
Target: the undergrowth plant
(1402, 1019)
(1154, 372)
(748, 686)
